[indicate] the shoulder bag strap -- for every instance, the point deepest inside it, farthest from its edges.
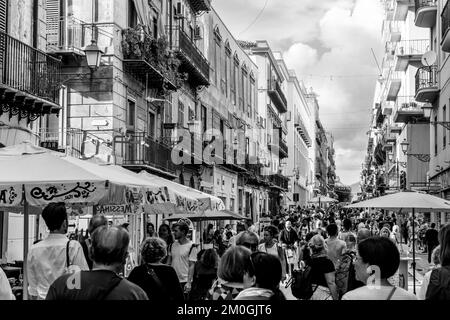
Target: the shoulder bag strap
(113, 284)
(67, 254)
(391, 293)
(156, 279)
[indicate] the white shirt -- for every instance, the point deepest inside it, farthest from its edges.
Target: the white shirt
(382, 293)
(5, 287)
(425, 282)
(47, 262)
(272, 250)
(181, 258)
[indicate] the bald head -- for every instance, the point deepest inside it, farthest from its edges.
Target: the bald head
(97, 221)
(109, 245)
(363, 234)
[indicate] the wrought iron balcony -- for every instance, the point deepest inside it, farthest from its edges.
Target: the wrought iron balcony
(139, 151)
(427, 86)
(445, 25)
(277, 95)
(200, 5)
(29, 80)
(407, 109)
(301, 128)
(66, 35)
(144, 64)
(410, 52)
(193, 61)
(279, 181)
(426, 11)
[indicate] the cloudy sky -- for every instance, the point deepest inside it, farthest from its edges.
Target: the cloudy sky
(328, 43)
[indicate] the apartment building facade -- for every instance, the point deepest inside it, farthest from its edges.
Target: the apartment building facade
(398, 150)
(272, 106)
(299, 139)
(30, 83)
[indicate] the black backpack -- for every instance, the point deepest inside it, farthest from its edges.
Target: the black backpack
(301, 283)
(439, 287)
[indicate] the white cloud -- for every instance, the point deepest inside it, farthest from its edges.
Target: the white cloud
(327, 39)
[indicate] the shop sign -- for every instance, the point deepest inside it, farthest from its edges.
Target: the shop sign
(115, 209)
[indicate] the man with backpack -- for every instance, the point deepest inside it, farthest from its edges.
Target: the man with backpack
(183, 256)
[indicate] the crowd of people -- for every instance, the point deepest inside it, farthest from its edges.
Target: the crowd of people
(340, 255)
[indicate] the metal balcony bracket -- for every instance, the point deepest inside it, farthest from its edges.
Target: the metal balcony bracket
(420, 156)
(445, 124)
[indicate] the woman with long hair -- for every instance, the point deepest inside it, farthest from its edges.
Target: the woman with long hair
(205, 272)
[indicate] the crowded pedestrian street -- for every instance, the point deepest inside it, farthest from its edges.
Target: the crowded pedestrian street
(195, 153)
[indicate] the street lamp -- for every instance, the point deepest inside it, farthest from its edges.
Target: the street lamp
(93, 55)
(427, 108)
(419, 156)
(405, 146)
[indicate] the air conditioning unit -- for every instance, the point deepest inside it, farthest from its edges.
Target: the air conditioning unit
(198, 33)
(179, 13)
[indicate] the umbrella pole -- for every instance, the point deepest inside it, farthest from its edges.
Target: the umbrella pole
(414, 252)
(25, 245)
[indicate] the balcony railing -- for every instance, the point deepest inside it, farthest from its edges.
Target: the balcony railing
(412, 47)
(29, 72)
(140, 150)
(150, 66)
(200, 5)
(277, 95)
(65, 34)
(193, 60)
(279, 181)
(427, 87)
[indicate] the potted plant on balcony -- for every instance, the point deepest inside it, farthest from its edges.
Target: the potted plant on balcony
(132, 42)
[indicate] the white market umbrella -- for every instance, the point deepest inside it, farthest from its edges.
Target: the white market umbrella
(160, 192)
(415, 201)
(207, 201)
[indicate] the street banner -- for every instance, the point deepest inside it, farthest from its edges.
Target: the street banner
(10, 196)
(80, 193)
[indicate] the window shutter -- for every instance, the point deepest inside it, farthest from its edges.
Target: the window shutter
(3, 15)
(54, 20)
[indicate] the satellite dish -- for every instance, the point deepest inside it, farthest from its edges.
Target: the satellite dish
(429, 58)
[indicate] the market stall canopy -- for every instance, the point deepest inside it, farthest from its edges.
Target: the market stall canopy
(421, 202)
(46, 177)
(322, 199)
(49, 176)
(208, 215)
(160, 191)
(207, 201)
